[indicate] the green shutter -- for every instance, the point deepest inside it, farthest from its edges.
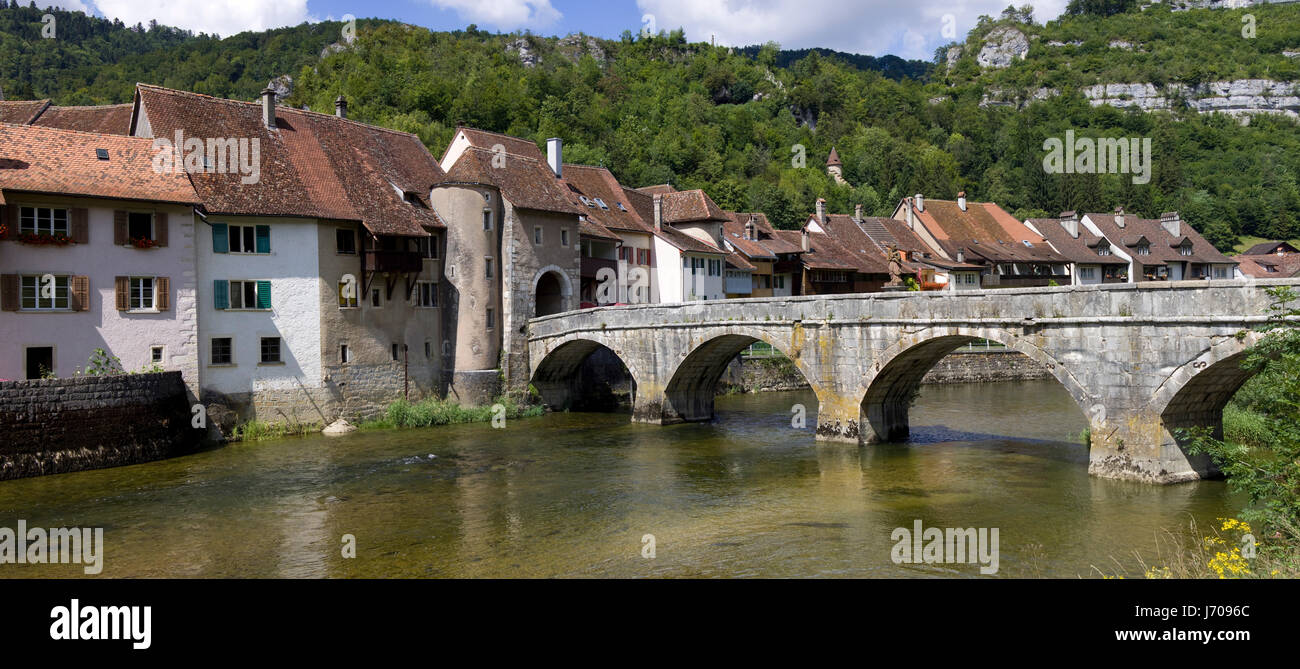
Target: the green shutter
(220, 242)
(263, 294)
(263, 239)
(221, 292)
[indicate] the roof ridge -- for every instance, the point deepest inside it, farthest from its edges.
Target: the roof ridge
(115, 104)
(109, 135)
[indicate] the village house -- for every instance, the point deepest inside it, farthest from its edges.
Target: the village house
(96, 252)
(1007, 252)
(1164, 249)
(102, 119)
(1269, 260)
(740, 237)
(318, 273)
(513, 254)
(630, 252)
(1093, 258)
(837, 261)
(687, 229)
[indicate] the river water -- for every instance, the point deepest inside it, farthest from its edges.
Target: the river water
(575, 495)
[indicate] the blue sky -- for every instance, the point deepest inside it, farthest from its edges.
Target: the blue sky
(911, 29)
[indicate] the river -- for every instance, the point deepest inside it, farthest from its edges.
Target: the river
(574, 495)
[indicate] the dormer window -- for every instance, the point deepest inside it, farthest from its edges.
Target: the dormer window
(1144, 249)
(1185, 250)
(1103, 249)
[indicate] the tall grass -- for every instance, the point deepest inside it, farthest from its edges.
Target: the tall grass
(433, 411)
(256, 430)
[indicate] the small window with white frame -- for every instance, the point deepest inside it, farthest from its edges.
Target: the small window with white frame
(42, 221)
(142, 293)
(43, 292)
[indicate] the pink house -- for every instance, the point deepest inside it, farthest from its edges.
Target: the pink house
(96, 252)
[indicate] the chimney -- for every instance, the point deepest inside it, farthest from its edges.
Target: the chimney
(961, 200)
(750, 232)
(807, 244)
(1070, 221)
(268, 107)
(857, 213)
(1119, 216)
(911, 217)
(821, 210)
(341, 107)
(1170, 221)
(920, 202)
(961, 256)
(555, 155)
(659, 211)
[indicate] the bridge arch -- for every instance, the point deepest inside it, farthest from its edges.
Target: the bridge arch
(693, 378)
(1195, 393)
(888, 393)
(558, 375)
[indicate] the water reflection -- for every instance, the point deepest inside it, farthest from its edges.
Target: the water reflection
(573, 495)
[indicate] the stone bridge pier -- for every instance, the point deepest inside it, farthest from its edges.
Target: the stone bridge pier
(1140, 360)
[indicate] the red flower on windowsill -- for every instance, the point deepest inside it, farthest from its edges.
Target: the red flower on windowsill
(44, 239)
(143, 243)
(4, 231)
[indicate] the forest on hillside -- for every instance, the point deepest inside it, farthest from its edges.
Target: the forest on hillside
(751, 126)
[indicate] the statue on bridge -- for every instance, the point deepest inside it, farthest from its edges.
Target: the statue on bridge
(895, 267)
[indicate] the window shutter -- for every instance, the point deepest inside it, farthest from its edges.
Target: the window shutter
(162, 291)
(221, 292)
(119, 228)
(123, 292)
(9, 290)
(160, 228)
(263, 239)
(80, 228)
(263, 294)
(220, 242)
(80, 292)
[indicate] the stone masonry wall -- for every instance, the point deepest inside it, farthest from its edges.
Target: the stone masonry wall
(767, 374)
(51, 426)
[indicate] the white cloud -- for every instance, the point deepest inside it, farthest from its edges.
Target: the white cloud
(70, 5)
(878, 27)
(224, 17)
(503, 14)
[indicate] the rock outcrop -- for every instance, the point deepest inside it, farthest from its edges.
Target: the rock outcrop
(1002, 46)
(283, 87)
(522, 48)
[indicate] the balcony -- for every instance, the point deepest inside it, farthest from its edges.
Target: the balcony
(398, 262)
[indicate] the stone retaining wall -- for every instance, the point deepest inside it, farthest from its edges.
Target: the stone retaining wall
(51, 426)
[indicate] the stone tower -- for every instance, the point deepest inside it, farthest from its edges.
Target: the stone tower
(835, 168)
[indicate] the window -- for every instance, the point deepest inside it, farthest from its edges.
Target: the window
(43, 220)
(141, 293)
(1185, 250)
(715, 267)
(348, 298)
(1220, 272)
(564, 237)
(491, 319)
(426, 294)
(487, 219)
(428, 349)
(1103, 250)
(396, 356)
(601, 204)
(344, 354)
(346, 241)
(139, 225)
(1088, 273)
(270, 350)
(779, 281)
(427, 246)
(40, 294)
(242, 238)
(537, 235)
(1144, 249)
(223, 352)
(487, 267)
(248, 295)
(643, 256)
(156, 355)
(375, 300)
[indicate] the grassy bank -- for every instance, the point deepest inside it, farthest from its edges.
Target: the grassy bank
(433, 411)
(256, 430)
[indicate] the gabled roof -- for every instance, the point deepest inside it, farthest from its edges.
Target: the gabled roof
(733, 231)
(644, 206)
(525, 182)
(1264, 266)
(659, 189)
(486, 139)
(1164, 246)
(48, 160)
(853, 240)
(311, 165)
(598, 182)
(1081, 249)
(984, 230)
(833, 159)
(689, 206)
(826, 253)
(738, 261)
(1270, 248)
(107, 119)
(22, 112)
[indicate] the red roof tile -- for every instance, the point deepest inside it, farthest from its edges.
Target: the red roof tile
(525, 182)
(107, 119)
(21, 112)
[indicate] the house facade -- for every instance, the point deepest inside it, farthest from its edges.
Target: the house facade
(1094, 259)
(1163, 249)
(97, 252)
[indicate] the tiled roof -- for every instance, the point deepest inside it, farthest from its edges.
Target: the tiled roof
(107, 119)
(21, 112)
(983, 230)
(852, 239)
(1264, 266)
(1082, 249)
(598, 182)
(827, 254)
(738, 261)
(690, 205)
(657, 189)
(312, 165)
(1269, 248)
(1162, 243)
(590, 228)
(527, 183)
(486, 139)
(643, 204)
(734, 232)
(49, 160)
(833, 159)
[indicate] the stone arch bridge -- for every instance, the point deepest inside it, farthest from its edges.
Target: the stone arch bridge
(1141, 360)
